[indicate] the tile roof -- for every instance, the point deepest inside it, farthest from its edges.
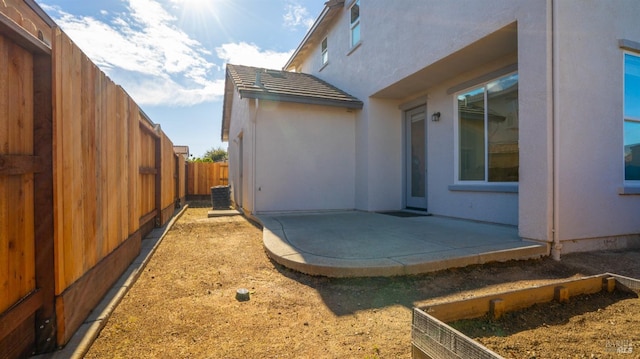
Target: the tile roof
(276, 85)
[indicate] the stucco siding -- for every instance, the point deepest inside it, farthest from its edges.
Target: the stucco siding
(493, 207)
(589, 153)
(385, 160)
(535, 186)
(391, 52)
(570, 127)
(241, 152)
(305, 158)
(425, 32)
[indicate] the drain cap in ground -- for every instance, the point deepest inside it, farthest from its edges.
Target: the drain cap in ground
(242, 295)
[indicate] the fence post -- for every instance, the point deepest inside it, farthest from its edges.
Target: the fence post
(158, 194)
(43, 204)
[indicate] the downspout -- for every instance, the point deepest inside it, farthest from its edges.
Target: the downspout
(556, 248)
(253, 156)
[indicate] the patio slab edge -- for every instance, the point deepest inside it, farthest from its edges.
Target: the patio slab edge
(284, 253)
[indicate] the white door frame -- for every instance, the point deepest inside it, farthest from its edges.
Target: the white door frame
(415, 172)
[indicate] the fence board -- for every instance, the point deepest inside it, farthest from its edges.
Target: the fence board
(167, 179)
(89, 151)
(5, 295)
(43, 205)
(133, 163)
(111, 221)
(119, 173)
(77, 158)
(147, 151)
(181, 186)
(57, 144)
(103, 192)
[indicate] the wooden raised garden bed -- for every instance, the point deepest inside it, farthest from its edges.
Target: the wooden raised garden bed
(433, 338)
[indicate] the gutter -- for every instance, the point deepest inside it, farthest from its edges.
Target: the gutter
(279, 97)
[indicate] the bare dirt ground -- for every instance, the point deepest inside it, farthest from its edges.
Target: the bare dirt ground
(184, 306)
(601, 325)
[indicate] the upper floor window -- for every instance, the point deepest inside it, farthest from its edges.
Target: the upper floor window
(487, 142)
(355, 23)
(325, 52)
(631, 117)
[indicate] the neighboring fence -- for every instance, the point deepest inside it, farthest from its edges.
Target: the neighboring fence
(201, 176)
(84, 176)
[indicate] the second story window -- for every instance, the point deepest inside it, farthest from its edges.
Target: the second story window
(325, 52)
(355, 23)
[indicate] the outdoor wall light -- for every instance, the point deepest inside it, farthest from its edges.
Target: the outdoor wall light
(435, 117)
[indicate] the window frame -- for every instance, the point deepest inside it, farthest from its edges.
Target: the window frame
(324, 52)
(476, 185)
(625, 117)
(354, 24)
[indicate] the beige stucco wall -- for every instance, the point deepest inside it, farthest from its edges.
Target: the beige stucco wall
(392, 52)
(570, 132)
(305, 157)
(241, 158)
(589, 121)
(295, 157)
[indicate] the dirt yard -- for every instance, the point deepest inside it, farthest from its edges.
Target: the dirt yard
(601, 325)
(184, 305)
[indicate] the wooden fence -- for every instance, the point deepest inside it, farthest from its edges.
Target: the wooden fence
(84, 176)
(201, 176)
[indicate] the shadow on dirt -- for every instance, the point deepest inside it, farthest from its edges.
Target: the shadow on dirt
(345, 296)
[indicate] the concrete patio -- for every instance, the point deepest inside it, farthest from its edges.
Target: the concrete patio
(365, 244)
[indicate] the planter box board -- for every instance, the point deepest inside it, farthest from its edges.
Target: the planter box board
(432, 337)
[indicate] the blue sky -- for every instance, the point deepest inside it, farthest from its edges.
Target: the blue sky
(170, 55)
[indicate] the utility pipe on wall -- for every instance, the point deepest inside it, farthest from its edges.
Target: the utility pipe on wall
(254, 119)
(556, 247)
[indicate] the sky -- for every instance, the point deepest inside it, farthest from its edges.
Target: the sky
(170, 55)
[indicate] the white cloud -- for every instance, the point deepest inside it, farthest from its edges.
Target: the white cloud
(166, 92)
(251, 55)
(145, 52)
(296, 16)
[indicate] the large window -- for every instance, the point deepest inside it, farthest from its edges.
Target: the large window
(488, 132)
(355, 23)
(631, 117)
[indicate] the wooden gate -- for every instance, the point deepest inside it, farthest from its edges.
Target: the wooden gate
(201, 176)
(27, 314)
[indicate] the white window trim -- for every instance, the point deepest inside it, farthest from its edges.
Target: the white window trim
(629, 186)
(352, 25)
(459, 185)
(323, 52)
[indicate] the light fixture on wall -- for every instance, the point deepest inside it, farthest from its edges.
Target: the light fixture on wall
(435, 117)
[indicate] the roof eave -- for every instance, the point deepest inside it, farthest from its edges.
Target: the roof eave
(328, 8)
(226, 107)
(349, 104)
